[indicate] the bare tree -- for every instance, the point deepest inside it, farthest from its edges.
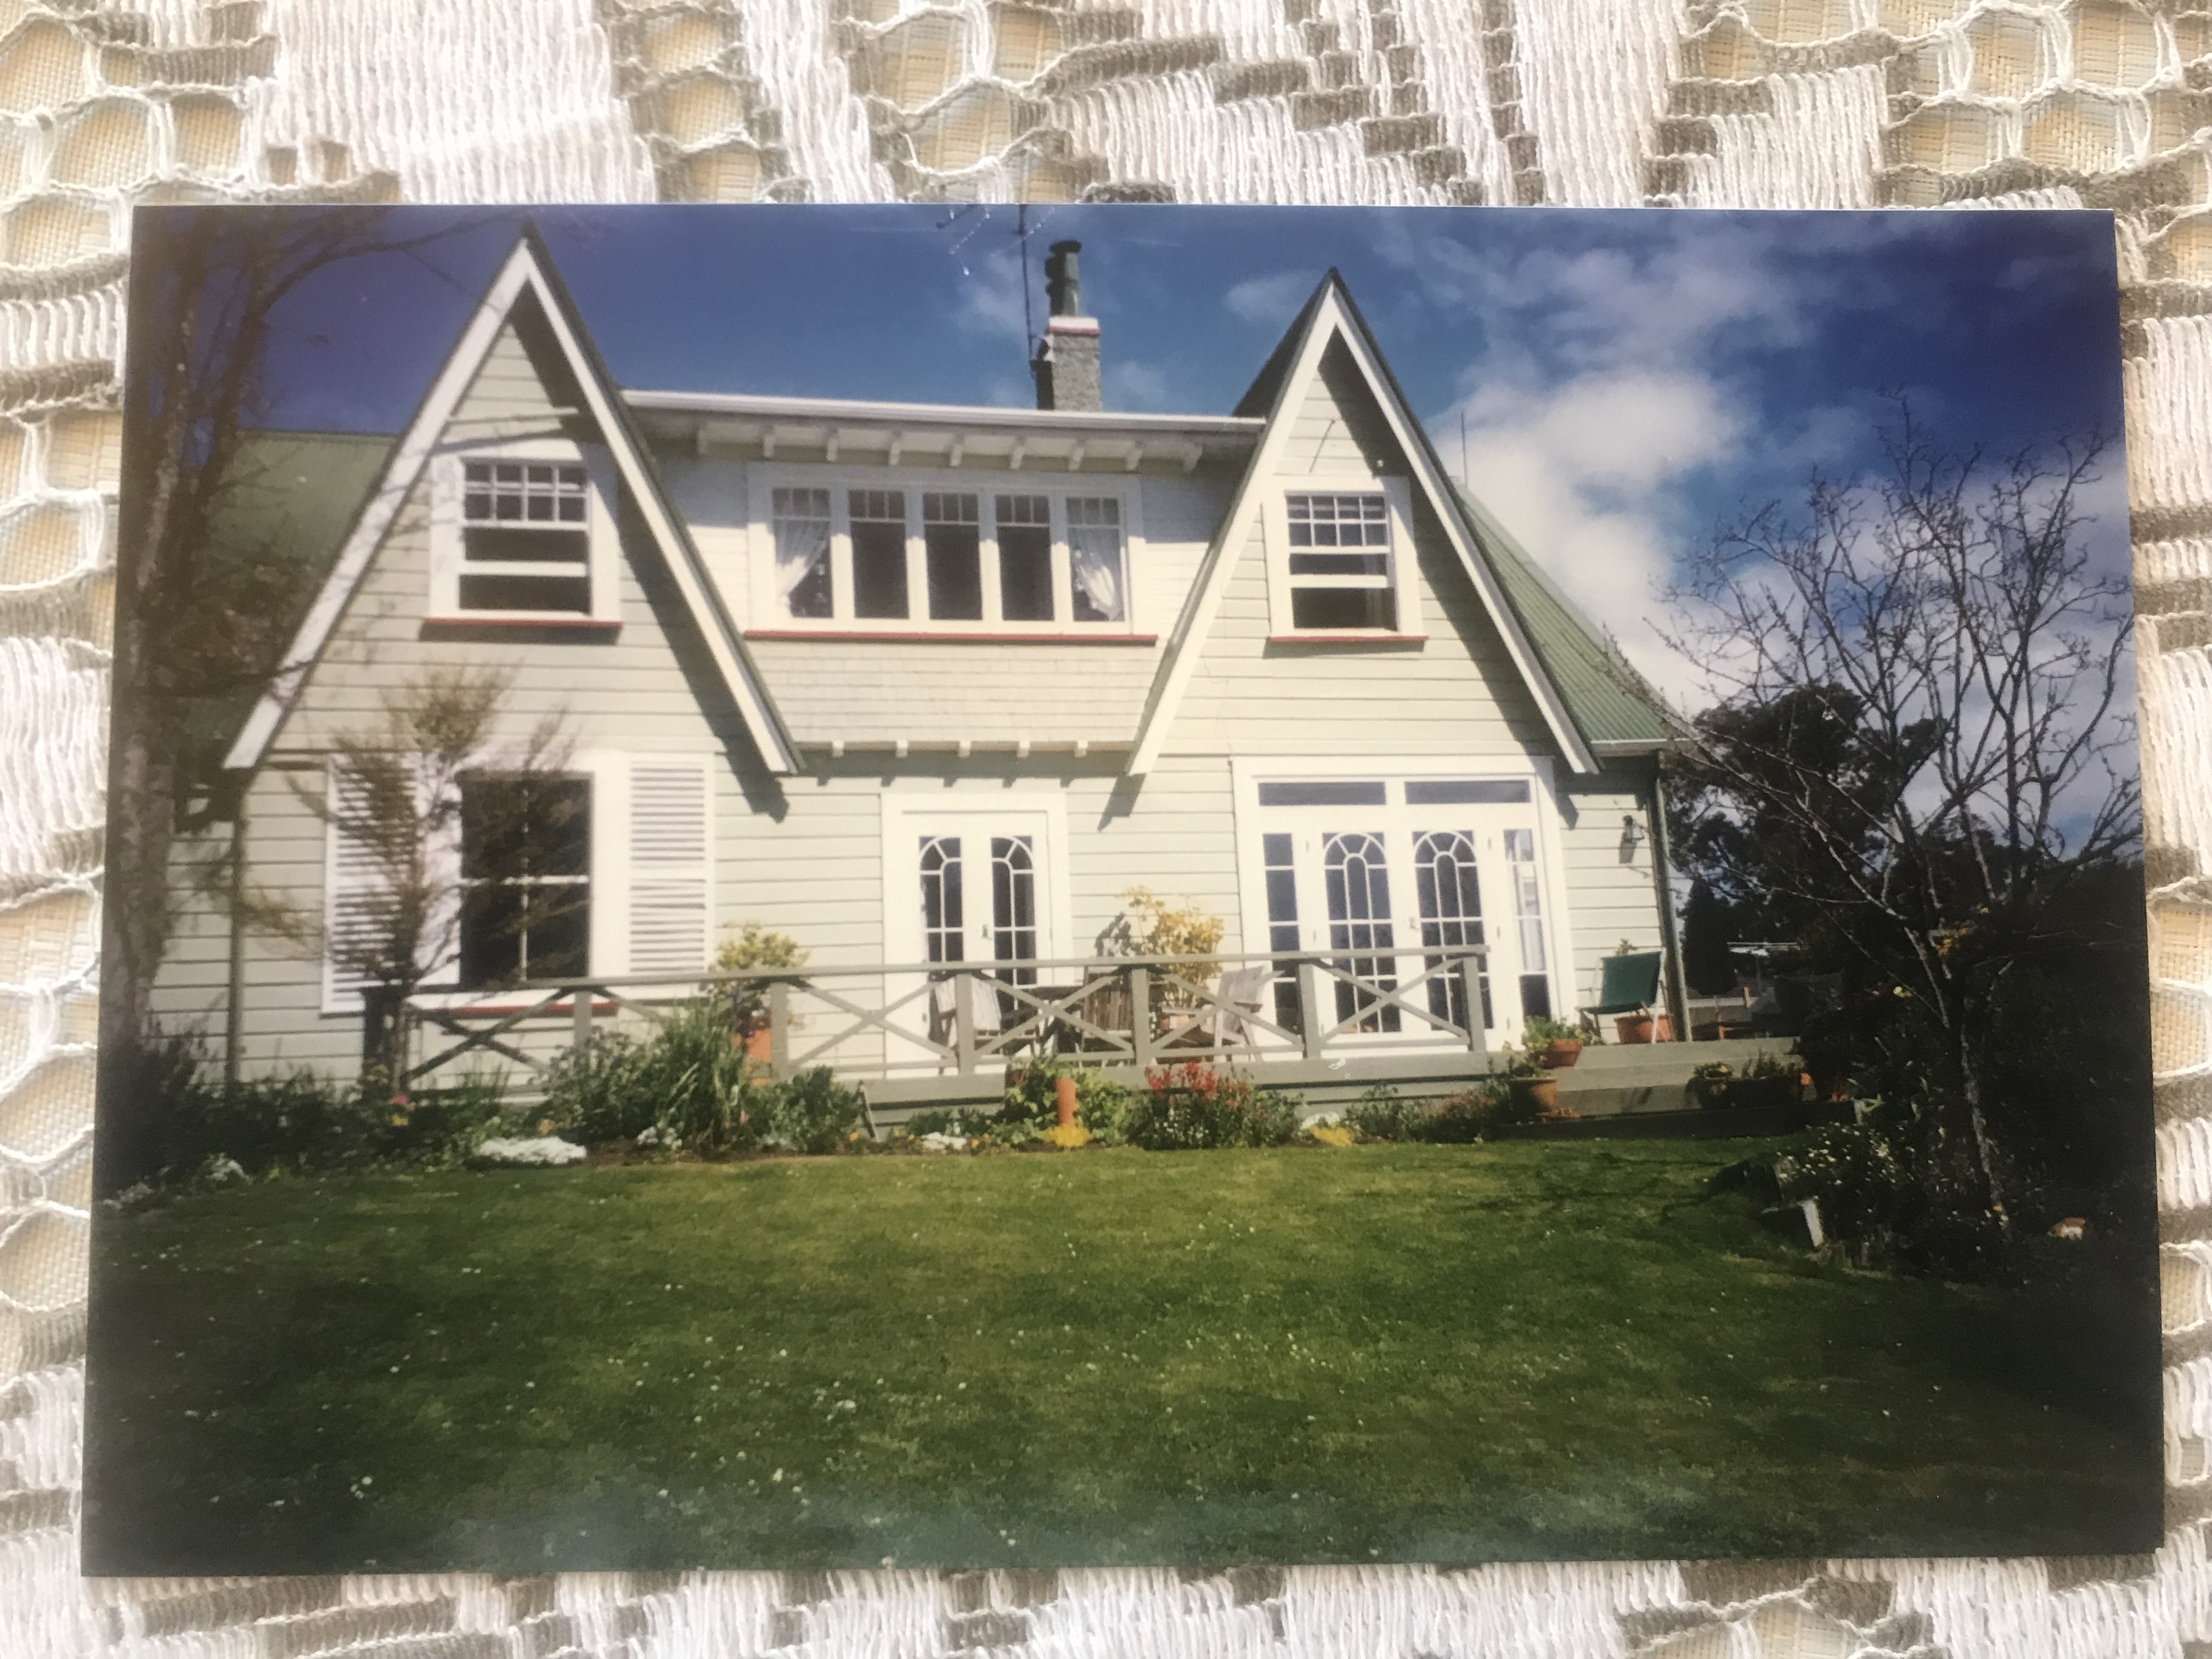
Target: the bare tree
(200, 618)
(1922, 735)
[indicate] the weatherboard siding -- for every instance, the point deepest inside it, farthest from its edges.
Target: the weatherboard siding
(1612, 898)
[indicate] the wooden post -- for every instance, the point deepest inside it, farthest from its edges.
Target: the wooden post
(778, 1030)
(580, 1014)
(963, 1023)
(1309, 1014)
(1470, 980)
(1140, 1014)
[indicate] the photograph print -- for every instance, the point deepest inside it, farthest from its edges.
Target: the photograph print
(826, 888)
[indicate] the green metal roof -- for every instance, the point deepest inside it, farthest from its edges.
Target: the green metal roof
(1610, 703)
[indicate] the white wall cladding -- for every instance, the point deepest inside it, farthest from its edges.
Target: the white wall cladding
(1719, 102)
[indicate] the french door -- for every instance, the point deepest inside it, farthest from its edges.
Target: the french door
(972, 887)
(1384, 891)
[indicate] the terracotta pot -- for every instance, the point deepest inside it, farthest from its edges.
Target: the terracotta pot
(1540, 1092)
(1063, 1096)
(760, 1044)
(1560, 1053)
(1633, 1027)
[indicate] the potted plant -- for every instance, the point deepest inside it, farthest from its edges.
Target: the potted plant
(1555, 1044)
(1534, 1091)
(755, 946)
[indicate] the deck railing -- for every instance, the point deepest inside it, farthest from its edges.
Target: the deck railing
(973, 1019)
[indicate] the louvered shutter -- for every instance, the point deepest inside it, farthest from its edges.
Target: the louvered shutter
(668, 884)
(353, 891)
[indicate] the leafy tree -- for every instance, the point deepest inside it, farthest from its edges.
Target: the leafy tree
(1922, 753)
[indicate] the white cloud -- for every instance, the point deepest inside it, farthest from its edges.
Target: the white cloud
(1135, 386)
(1270, 302)
(1601, 398)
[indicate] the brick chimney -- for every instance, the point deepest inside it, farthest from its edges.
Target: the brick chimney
(1067, 361)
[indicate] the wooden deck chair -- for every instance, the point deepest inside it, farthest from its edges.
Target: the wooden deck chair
(945, 996)
(1629, 985)
(1240, 992)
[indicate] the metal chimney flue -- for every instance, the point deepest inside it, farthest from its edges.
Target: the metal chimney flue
(1065, 365)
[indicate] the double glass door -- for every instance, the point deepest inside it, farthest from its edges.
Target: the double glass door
(1384, 876)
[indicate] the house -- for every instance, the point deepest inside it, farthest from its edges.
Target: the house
(924, 684)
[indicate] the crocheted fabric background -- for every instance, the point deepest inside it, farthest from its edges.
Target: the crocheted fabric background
(1742, 103)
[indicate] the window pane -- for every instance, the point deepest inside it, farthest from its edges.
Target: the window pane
(878, 518)
(558, 943)
(1454, 792)
(1025, 573)
(1094, 551)
(942, 932)
(491, 936)
(560, 830)
(1340, 564)
(1344, 608)
(494, 810)
(1322, 793)
(564, 594)
(802, 551)
(1025, 558)
(484, 542)
(952, 555)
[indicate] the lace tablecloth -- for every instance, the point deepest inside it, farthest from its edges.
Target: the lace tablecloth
(1749, 103)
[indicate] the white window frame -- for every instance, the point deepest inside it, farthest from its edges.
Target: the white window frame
(602, 555)
(768, 615)
(1398, 496)
(1395, 821)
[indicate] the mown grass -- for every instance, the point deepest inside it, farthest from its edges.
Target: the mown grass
(1529, 1350)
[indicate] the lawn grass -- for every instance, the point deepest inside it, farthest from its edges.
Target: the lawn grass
(1529, 1350)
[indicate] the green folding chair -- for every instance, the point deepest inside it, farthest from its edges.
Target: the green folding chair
(1630, 986)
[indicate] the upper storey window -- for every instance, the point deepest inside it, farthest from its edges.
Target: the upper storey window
(948, 560)
(521, 536)
(1342, 554)
(1340, 561)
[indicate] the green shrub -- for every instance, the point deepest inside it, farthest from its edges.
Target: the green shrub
(1191, 1105)
(1539, 1030)
(1470, 1115)
(1382, 1114)
(1708, 1084)
(302, 1121)
(811, 1113)
(598, 1092)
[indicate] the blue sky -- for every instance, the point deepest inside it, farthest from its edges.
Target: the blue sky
(1626, 378)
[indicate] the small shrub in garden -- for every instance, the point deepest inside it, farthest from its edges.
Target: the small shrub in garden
(811, 1113)
(599, 1091)
(1470, 1115)
(1382, 1114)
(1191, 1106)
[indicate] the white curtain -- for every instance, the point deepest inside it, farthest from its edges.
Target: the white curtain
(802, 552)
(1095, 557)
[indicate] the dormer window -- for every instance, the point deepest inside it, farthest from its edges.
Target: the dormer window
(993, 558)
(522, 536)
(1341, 551)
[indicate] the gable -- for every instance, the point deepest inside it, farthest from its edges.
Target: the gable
(1365, 421)
(524, 359)
(1456, 691)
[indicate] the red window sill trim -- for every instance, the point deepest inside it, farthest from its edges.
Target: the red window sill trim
(912, 636)
(586, 625)
(1347, 639)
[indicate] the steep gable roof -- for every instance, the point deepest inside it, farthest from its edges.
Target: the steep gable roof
(1330, 315)
(528, 293)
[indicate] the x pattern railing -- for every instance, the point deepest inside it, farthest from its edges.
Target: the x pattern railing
(968, 1017)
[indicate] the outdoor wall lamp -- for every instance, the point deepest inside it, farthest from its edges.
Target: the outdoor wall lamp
(1631, 834)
